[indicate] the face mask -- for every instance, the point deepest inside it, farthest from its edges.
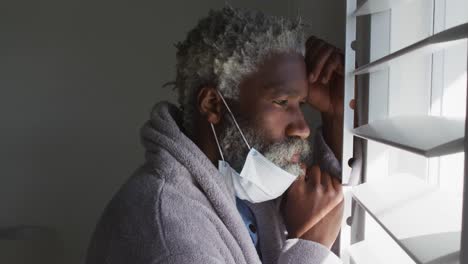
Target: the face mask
(260, 179)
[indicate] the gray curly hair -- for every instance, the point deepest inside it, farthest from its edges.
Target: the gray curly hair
(224, 48)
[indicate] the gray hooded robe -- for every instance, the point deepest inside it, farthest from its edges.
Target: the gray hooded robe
(177, 209)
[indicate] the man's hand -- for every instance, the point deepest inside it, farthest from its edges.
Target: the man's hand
(312, 206)
(325, 68)
(326, 231)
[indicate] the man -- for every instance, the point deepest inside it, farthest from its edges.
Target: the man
(211, 189)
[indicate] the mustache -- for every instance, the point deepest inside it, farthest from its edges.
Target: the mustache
(281, 152)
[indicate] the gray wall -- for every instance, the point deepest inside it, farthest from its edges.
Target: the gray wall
(77, 79)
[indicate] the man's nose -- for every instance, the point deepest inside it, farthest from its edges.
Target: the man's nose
(298, 126)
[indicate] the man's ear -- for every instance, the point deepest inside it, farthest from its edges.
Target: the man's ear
(209, 104)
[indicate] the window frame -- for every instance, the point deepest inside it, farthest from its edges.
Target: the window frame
(360, 28)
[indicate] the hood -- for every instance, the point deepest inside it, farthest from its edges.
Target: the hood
(163, 133)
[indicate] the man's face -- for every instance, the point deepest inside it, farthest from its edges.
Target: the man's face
(269, 113)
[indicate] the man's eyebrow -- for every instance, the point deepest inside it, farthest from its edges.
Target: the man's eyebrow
(281, 88)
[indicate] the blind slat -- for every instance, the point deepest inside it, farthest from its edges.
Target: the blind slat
(376, 6)
(429, 136)
(451, 36)
(423, 220)
(367, 252)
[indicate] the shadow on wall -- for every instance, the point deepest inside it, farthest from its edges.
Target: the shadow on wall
(77, 81)
(30, 244)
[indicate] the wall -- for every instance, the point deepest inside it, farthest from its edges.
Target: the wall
(77, 79)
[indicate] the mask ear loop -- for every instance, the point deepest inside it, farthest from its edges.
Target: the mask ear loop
(235, 122)
(217, 143)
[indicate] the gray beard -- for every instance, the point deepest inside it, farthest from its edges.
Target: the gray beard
(280, 153)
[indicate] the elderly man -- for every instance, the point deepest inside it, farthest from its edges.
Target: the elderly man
(229, 176)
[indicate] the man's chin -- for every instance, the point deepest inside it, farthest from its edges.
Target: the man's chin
(294, 168)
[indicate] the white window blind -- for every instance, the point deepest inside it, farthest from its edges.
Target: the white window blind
(409, 137)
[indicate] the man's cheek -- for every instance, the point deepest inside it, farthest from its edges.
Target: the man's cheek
(271, 121)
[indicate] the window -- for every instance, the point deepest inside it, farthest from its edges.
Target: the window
(411, 96)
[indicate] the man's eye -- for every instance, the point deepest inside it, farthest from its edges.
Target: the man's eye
(281, 102)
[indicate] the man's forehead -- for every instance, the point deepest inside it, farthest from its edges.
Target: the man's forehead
(283, 73)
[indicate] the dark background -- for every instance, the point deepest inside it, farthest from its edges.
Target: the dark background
(77, 80)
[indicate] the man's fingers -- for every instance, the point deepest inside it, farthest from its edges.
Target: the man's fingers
(317, 62)
(352, 104)
(319, 97)
(330, 67)
(340, 68)
(338, 188)
(312, 43)
(312, 47)
(314, 176)
(303, 169)
(299, 180)
(326, 181)
(312, 53)
(296, 187)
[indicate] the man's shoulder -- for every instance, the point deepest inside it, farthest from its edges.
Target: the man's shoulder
(151, 209)
(151, 186)
(158, 193)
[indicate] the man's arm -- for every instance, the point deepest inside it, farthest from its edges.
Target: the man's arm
(313, 208)
(325, 68)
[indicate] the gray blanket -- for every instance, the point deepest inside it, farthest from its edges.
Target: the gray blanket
(176, 209)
